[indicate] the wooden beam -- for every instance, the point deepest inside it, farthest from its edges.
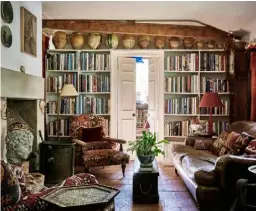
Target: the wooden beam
(130, 27)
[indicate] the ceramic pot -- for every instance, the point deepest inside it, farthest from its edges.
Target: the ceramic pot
(94, 40)
(160, 42)
(174, 42)
(77, 40)
(59, 39)
(200, 44)
(112, 41)
(128, 41)
(220, 45)
(188, 42)
(144, 41)
(211, 44)
(146, 160)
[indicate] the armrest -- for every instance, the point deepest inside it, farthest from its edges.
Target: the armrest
(79, 142)
(230, 168)
(115, 140)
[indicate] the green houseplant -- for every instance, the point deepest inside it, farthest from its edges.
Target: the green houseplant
(147, 147)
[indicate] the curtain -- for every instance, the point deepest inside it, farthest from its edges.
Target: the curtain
(253, 85)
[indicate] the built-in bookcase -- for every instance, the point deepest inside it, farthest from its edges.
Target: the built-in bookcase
(187, 75)
(90, 72)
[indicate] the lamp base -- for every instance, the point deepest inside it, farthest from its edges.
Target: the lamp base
(210, 128)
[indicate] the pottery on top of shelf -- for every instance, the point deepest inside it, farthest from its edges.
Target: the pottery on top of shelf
(112, 41)
(160, 42)
(200, 44)
(60, 39)
(188, 42)
(77, 40)
(144, 41)
(211, 44)
(239, 45)
(174, 42)
(94, 40)
(128, 41)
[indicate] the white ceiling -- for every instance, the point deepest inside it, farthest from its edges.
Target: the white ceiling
(223, 15)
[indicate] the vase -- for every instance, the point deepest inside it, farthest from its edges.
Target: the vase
(188, 42)
(77, 40)
(94, 40)
(128, 41)
(211, 44)
(160, 42)
(112, 41)
(59, 39)
(200, 44)
(146, 160)
(144, 41)
(174, 42)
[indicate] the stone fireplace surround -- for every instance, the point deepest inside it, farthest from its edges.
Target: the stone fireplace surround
(22, 92)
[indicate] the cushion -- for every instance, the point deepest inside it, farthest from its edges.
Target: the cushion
(202, 145)
(238, 148)
(219, 143)
(10, 189)
(251, 148)
(92, 134)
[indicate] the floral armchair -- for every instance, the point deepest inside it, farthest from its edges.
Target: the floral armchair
(96, 153)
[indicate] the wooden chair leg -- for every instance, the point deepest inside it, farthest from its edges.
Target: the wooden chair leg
(86, 169)
(123, 169)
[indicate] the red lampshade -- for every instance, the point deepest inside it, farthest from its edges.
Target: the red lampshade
(210, 99)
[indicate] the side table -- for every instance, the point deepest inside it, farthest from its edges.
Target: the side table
(145, 184)
(57, 159)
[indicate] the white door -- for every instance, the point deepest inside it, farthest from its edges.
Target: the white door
(126, 100)
(153, 94)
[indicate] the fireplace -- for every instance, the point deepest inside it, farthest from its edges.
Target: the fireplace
(21, 93)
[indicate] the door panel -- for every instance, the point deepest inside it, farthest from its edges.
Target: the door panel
(127, 100)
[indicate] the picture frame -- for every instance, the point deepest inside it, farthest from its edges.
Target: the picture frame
(28, 26)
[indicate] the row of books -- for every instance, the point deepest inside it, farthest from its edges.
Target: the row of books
(66, 106)
(214, 85)
(65, 125)
(75, 61)
(56, 83)
(184, 105)
(177, 128)
(62, 61)
(94, 83)
(95, 61)
(182, 84)
(213, 62)
(94, 105)
(217, 110)
(218, 127)
(187, 62)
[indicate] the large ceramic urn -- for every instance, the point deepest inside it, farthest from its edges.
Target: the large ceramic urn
(112, 41)
(144, 41)
(174, 42)
(94, 40)
(59, 39)
(160, 42)
(128, 41)
(77, 40)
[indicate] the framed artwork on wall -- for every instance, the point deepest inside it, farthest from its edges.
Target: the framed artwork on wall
(28, 26)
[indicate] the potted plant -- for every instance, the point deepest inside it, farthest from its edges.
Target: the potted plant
(147, 148)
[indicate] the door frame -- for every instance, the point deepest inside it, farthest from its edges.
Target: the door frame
(114, 85)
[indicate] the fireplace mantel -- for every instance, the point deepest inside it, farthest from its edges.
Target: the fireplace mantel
(18, 85)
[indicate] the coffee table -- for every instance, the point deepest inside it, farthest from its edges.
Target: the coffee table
(145, 184)
(88, 197)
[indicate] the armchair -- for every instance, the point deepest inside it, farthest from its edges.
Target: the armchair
(96, 153)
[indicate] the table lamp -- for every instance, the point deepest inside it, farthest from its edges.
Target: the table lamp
(210, 100)
(68, 90)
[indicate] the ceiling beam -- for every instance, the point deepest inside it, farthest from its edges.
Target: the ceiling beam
(130, 27)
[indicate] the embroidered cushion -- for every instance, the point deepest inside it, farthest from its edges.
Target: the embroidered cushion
(251, 148)
(219, 143)
(92, 134)
(10, 189)
(238, 148)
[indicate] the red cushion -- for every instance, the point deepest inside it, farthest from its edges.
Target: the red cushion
(92, 134)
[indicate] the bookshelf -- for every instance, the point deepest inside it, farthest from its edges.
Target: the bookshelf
(90, 72)
(187, 75)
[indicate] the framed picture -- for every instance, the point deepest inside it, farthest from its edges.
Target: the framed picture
(28, 26)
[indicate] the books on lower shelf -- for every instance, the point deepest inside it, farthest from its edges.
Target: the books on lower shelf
(213, 62)
(181, 84)
(177, 128)
(94, 83)
(214, 85)
(56, 83)
(184, 105)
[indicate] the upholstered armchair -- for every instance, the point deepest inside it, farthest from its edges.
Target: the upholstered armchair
(96, 153)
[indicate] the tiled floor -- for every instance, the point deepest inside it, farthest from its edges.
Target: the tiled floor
(174, 195)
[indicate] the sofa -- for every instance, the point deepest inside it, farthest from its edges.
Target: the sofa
(211, 167)
(21, 191)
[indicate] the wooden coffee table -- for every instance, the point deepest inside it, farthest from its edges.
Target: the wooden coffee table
(88, 197)
(145, 184)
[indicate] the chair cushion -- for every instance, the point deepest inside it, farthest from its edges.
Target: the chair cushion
(92, 134)
(10, 189)
(251, 148)
(104, 157)
(218, 148)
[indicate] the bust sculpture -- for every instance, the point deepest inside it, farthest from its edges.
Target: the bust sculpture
(19, 143)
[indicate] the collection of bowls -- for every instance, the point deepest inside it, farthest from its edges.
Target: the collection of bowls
(77, 41)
